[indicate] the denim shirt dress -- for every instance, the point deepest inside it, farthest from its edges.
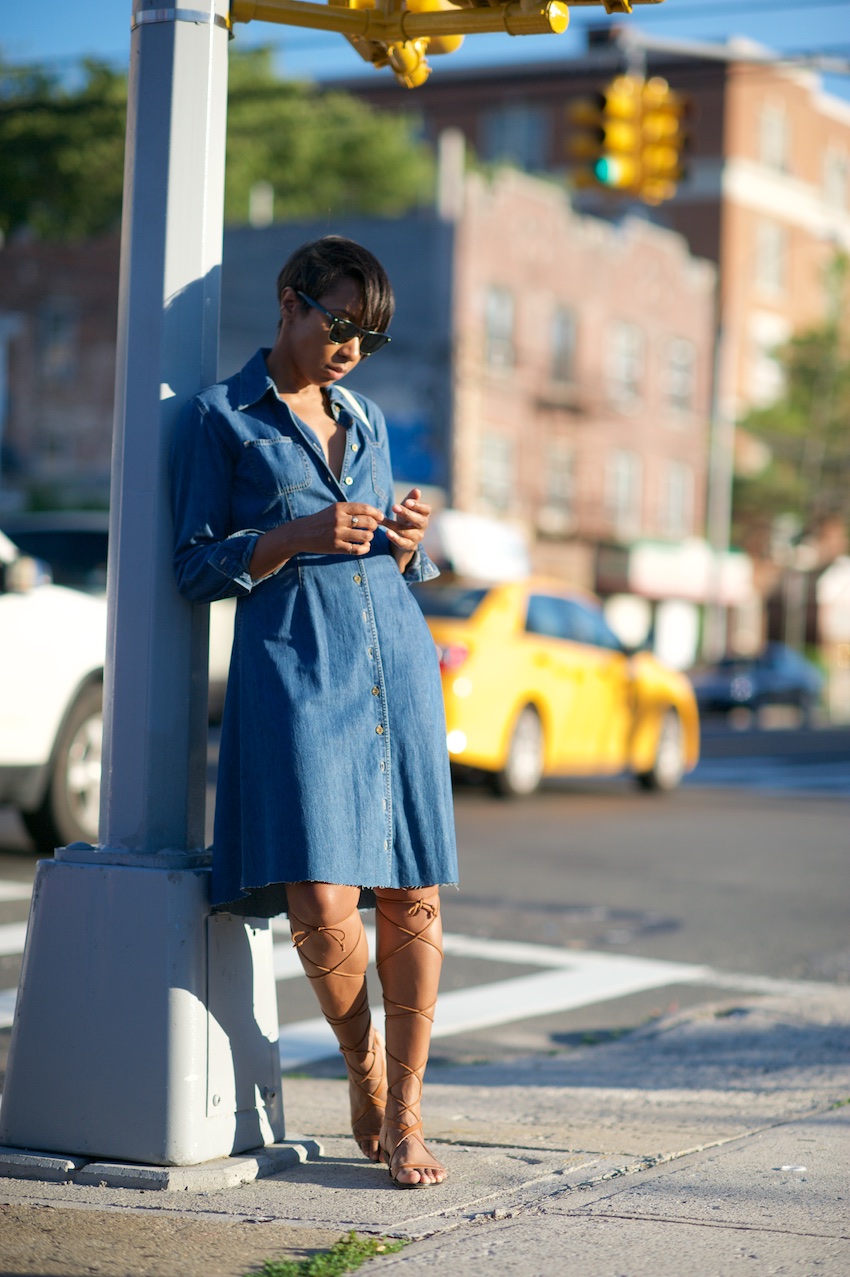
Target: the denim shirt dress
(333, 764)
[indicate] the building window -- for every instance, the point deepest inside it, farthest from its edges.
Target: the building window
(563, 345)
(59, 352)
(677, 502)
(516, 134)
(836, 172)
(495, 472)
(624, 364)
(765, 379)
(774, 138)
(557, 511)
(623, 493)
(499, 321)
(681, 374)
(771, 257)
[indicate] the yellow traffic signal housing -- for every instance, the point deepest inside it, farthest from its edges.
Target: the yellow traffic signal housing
(399, 33)
(664, 132)
(630, 138)
(606, 138)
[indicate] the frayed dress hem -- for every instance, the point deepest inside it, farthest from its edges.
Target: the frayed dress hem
(271, 900)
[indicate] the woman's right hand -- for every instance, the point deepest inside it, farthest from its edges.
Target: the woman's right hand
(347, 527)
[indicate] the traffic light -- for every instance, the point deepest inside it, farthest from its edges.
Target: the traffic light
(407, 57)
(606, 136)
(630, 139)
(664, 140)
(399, 33)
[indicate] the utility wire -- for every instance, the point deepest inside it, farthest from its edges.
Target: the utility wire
(684, 12)
(582, 18)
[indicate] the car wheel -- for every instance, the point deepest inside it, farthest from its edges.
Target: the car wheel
(71, 805)
(669, 766)
(523, 769)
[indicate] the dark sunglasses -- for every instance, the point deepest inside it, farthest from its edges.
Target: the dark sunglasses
(342, 330)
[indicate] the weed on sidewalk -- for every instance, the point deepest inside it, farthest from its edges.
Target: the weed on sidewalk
(343, 1257)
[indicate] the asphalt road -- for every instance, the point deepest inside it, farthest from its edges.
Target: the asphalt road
(592, 907)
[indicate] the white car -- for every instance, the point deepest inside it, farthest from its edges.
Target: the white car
(75, 542)
(52, 643)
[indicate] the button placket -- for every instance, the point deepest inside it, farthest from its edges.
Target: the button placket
(373, 653)
(352, 447)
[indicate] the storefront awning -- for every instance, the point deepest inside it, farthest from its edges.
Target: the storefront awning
(689, 570)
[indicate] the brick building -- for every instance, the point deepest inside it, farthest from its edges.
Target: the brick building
(768, 194)
(548, 369)
(58, 308)
(582, 373)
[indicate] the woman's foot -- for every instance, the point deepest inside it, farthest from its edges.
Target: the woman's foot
(367, 1091)
(405, 1152)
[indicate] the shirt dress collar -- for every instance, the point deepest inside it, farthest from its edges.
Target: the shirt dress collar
(255, 382)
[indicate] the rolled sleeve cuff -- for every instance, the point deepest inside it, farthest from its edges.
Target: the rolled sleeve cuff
(233, 558)
(420, 568)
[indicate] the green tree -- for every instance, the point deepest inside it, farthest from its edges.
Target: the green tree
(807, 430)
(61, 151)
(62, 146)
(322, 152)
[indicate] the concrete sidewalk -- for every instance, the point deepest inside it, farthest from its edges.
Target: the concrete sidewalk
(712, 1143)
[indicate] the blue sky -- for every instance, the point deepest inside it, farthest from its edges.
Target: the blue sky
(59, 32)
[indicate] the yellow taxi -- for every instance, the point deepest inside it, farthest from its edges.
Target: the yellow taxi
(536, 684)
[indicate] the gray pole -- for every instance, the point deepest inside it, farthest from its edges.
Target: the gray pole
(10, 326)
(721, 469)
(166, 1014)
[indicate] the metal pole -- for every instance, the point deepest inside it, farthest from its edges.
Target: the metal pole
(165, 1050)
(155, 693)
(719, 513)
(10, 326)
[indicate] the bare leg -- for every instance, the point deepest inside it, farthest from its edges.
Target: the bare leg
(409, 960)
(328, 933)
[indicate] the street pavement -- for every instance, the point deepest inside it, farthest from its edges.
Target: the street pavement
(714, 1142)
(783, 760)
(708, 1140)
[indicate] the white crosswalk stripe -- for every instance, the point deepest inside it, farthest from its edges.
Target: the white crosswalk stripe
(12, 936)
(568, 979)
(581, 979)
(15, 891)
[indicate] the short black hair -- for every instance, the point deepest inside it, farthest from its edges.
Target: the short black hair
(316, 268)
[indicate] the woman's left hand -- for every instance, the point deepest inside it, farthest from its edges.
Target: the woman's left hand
(408, 528)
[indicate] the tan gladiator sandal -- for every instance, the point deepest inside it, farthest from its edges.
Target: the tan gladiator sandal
(361, 1046)
(405, 1124)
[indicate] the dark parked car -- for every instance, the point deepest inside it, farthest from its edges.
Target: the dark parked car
(74, 544)
(777, 676)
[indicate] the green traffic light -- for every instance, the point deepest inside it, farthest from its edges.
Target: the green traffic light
(605, 171)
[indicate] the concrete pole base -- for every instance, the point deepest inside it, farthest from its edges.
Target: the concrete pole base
(223, 1172)
(133, 1039)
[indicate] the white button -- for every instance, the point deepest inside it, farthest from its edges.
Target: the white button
(354, 447)
(357, 578)
(348, 481)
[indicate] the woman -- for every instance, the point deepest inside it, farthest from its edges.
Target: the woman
(333, 772)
